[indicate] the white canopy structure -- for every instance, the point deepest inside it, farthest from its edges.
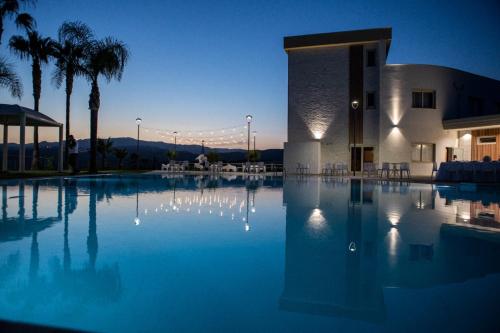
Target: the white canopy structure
(15, 115)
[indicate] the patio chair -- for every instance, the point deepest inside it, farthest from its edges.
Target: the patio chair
(199, 166)
(185, 165)
(404, 167)
(434, 169)
(261, 167)
(299, 168)
(246, 167)
(327, 169)
(368, 168)
(386, 167)
(164, 167)
(340, 168)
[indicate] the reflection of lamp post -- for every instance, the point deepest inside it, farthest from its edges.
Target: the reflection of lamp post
(137, 220)
(354, 105)
(175, 144)
(247, 225)
(138, 121)
(249, 120)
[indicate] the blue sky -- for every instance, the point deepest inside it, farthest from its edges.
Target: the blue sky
(206, 64)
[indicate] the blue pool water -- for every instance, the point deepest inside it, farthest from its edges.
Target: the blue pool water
(191, 254)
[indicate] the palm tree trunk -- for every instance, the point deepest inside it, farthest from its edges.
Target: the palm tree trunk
(69, 90)
(94, 101)
(37, 89)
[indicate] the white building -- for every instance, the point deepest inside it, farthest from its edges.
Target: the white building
(405, 113)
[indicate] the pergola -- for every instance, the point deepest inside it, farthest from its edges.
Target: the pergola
(15, 115)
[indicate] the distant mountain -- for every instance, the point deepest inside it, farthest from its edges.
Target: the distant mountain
(152, 153)
(131, 144)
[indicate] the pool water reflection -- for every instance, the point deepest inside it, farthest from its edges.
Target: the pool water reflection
(151, 253)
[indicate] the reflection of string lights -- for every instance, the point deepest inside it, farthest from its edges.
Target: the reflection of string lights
(352, 247)
(224, 207)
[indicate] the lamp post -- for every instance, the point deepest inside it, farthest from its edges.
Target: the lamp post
(175, 144)
(203, 147)
(354, 105)
(249, 120)
(138, 121)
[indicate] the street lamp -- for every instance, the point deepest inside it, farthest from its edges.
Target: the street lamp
(138, 121)
(354, 105)
(249, 120)
(203, 147)
(175, 144)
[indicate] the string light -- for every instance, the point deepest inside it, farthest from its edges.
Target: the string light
(213, 137)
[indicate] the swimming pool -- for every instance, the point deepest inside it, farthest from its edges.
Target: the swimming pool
(151, 253)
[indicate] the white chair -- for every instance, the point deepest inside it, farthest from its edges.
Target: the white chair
(327, 169)
(386, 167)
(368, 168)
(164, 167)
(404, 167)
(199, 166)
(434, 169)
(261, 167)
(340, 168)
(246, 167)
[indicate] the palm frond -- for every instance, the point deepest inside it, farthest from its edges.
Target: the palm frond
(9, 79)
(77, 33)
(20, 46)
(107, 57)
(25, 21)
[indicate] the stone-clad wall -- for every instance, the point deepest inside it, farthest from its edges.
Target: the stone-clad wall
(318, 93)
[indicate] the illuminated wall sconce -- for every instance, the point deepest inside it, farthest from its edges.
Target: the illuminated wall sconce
(467, 136)
(317, 135)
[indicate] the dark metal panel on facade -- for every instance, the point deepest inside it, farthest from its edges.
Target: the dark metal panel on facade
(356, 66)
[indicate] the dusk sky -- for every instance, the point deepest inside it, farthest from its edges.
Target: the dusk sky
(206, 64)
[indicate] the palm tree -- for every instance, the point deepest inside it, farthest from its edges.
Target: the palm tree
(73, 38)
(104, 147)
(39, 49)
(107, 58)
(10, 8)
(9, 79)
(120, 154)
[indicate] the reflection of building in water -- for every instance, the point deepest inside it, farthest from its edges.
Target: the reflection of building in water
(344, 246)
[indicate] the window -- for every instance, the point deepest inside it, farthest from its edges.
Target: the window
(475, 106)
(486, 140)
(423, 99)
(371, 57)
(423, 152)
(370, 100)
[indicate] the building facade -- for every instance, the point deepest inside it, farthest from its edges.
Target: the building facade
(402, 113)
